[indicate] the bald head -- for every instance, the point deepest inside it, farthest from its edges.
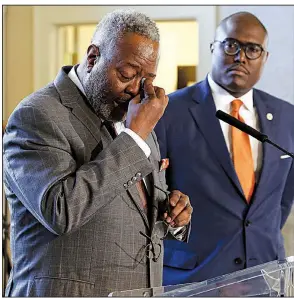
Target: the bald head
(241, 19)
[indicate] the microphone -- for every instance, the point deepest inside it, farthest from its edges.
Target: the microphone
(249, 130)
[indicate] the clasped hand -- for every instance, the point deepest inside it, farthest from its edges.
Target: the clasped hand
(180, 209)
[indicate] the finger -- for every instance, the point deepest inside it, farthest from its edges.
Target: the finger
(159, 89)
(182, 223)
(184, 217)
(149, 89)
(160, 93)
(136, 100)
(182, 203)
(174, 197)
(166, 100)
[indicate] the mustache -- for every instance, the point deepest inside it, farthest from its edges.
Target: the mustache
(123, 99)
(238, 66)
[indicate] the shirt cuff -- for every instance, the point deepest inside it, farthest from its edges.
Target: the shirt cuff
(141, 143)
(179, 233)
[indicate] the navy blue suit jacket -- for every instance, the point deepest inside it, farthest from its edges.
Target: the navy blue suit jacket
(227, 234)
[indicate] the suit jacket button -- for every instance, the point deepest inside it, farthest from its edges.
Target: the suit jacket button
(125, 185)
(130, 183)
(138, 175)
(247, 223)
(238, 261)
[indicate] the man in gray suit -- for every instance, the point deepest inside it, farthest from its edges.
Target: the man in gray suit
(89, 209)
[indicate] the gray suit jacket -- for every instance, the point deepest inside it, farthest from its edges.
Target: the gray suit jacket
(76, 214)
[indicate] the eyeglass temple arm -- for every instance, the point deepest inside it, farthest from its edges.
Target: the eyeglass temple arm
(166, 208)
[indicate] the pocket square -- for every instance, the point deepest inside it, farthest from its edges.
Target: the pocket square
(285, 156)
(164, 163)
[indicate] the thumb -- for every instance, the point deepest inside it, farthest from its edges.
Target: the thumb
(136, 100)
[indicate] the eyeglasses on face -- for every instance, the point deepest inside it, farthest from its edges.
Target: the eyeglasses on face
(233, 46)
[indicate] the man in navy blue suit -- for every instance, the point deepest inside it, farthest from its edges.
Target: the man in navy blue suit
(234, 226)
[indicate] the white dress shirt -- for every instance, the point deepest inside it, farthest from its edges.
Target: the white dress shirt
(222, 100)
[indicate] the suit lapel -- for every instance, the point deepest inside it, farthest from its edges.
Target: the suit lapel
(72, 98)
(203, 112)
(156, 194)
(270, 128)
(90, 120)
(153, 204)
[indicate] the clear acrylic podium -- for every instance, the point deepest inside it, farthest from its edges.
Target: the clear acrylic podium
(273, 279)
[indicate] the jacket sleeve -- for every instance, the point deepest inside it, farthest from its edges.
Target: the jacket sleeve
(42, 171)
(160, 132)
(288, 196)
(180, 234)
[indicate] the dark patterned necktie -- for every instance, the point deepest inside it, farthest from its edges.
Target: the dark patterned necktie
(110, 127)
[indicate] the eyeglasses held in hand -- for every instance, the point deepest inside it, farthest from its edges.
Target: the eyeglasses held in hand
(165, 209)
(166, 205)
(161, 225)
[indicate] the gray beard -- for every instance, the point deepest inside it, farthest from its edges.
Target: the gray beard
(97, 89)
(101, 98)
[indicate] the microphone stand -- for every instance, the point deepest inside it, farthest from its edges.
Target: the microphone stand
(249, 130)
(280, 148)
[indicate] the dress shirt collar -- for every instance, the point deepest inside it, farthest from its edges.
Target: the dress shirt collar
(73, 76)
(223, 97)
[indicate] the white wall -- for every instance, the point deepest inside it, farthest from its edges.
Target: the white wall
(278, 76)
(18, 56)
(177, 48)
(47, 17)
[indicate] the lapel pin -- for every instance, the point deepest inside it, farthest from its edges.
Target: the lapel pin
(269, 116)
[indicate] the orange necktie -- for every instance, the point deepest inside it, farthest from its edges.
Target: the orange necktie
(242, 154)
